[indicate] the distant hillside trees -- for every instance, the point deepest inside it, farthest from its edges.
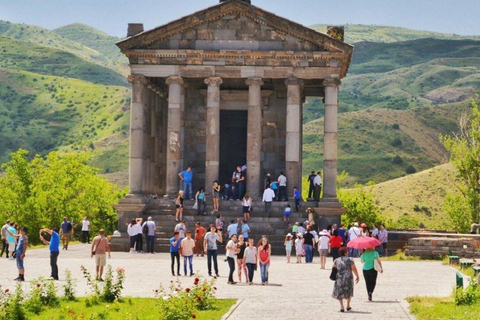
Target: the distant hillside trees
(38, 193)
(463, 204)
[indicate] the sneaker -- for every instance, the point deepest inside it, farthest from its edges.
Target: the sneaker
(369, 296)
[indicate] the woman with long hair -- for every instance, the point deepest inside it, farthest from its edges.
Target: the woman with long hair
(334, 244)
(231, 251)
(179, 206)
(247, 207)
(200, 200)
(265, 250)
(241, 246)
(132, 233)
(216, 195)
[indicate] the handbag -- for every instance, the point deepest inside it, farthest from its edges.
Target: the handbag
(333, 274)
(195, 206)
(377, 266)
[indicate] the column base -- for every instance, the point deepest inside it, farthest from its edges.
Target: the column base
(128, 209)
(329, 212)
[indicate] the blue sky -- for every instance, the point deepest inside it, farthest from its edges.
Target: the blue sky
(112, 16)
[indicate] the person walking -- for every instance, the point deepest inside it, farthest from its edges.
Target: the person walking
(251, 259)
(231, 251)
(299, 247)
(317, 184)
(100, 248)
(152, 227)
(296, 197)
(22, 243)
(53, 246)
(200, 200)
(187, 177)
(175, 242)
(334, 244)
(216, 195)
(210, 248)
(66, 228)
(311, 186)
(343, 287)
(186, 248)
(241, 246)
(265, 250)
(282, 187)
(199, 234)
(288, 243)
(268, 197)
(383, 238)
(179, 206)
(308, 243)
(85, 230)
(11, 231)
(323, 245)
(132, 233)
(4, 239)
(353, 233)
(369, 273)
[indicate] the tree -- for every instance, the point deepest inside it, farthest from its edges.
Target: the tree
(464, 148)
(360, 204)
(38, 193)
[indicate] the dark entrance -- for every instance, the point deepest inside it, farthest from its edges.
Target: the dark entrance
(233, 142)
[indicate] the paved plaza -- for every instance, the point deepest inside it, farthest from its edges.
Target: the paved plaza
(295, 290)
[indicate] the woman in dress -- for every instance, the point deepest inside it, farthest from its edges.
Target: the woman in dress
(265, 250)
(179, 206)
(343, 288)
(216, 195)
(247, 207)
(200, 200)
(369, 272)
(241, 246)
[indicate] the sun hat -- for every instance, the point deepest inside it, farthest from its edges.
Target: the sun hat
(289, 234)
(363, 225)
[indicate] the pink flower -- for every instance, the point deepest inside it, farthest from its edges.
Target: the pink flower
(188, 289)
(199, 298)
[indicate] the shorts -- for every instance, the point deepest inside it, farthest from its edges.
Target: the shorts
(11, 246)
(178, 206)
(216, 195)
(246, 209)
(101, 260)
(19, 262)
(287, 214)
(323, 252)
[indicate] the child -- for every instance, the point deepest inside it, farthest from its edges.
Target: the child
(296, 196)
(295, 228)
(299, 247)
(274, 187)
(288, 246)
(286, 214)
(226, 191)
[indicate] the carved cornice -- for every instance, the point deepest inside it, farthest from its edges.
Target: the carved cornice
(214, 81)
(174, 80)
(144, 81)
(254, 82)
(293, 82)
(331, 82)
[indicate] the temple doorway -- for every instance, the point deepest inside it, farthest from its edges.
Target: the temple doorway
(233, 142)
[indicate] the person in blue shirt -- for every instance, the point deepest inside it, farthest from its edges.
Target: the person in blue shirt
(297, 197)
(187, 176)
(53, 246)
(174, 252)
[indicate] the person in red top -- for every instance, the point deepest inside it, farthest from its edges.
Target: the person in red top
(199, 235)
(334, 244)
(265, 250)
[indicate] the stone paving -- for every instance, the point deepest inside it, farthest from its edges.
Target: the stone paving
(295, 290)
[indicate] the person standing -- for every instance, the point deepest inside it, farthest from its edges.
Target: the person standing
(22, 243)
(383, 238)
(132, 233)
(317, 184)
(231, 251)
(11, 232)
(241, 246)
(323, 244)
(179, 206)
(4, 239)
(210, 248)
(181, 228)
(265, 250)
(282, 187)
(85, 230)
(297, 197)
(232, 228)
(100, 248)
(187, 177)
(311, 186)
(343, 287)
(334, 244)
(245, 230)
(200, 200)
(139, 236)
(247, 207)
(353, 233)
(175, 242)
(152, 227)
(369, 273)
(66, 228)
(216, 195)
(308, 242)
(251, 259)
(53, 246)
(199, 234)
(268, 197)
(239, 179)
(186, 248)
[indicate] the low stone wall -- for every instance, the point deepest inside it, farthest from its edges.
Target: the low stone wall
(435, 247)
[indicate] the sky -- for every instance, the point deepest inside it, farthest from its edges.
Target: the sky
(112, 16)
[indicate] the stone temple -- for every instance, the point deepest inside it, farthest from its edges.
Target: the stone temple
(223, 87)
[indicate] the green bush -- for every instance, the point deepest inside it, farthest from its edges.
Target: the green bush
(468, 296)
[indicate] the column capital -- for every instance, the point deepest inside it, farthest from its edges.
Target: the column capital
(293, 82)
(174, 80)
(214, 81)
(331, 82)
(254, 82)
(137, 79)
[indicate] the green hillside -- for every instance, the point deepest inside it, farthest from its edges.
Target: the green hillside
(384, 34)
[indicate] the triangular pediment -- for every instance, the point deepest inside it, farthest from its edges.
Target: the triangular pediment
(235, 25)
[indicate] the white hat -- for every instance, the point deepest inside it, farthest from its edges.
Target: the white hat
(356, 224)
(324, 232)
(289, 234)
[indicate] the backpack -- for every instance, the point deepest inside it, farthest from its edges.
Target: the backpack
(69, 226)
(145, 229)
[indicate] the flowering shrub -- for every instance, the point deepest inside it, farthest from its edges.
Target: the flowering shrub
(11, 304)
(43, 293)
(111, 289)
(69, 287)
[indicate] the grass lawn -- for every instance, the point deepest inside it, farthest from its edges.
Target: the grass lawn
(127, 309)
(425, 308)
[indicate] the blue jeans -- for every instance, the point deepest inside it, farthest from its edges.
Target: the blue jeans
(282, 190)
(190, 262)
(240, 190)
(353, 253)
(231, 266)
(150, 243)
(187, 190)
(308, 253)
(212, 254)
(264, 272)
(251, 271)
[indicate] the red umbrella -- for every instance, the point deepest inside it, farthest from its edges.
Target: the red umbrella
(363, 242)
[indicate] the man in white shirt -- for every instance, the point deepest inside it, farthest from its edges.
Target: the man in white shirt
(282, 187)
(86, 230)
(268, 196)
(317, 185)
(353, 233)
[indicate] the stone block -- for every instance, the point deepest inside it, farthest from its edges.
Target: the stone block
(190, 34)
(219, 24)
(235, 24)
(270, 45)
(205, 34)
(244, 34)
(225, 34)
(235, 45)
(250, 24)
(204, 44)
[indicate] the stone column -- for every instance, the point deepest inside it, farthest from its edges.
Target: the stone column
(212, 156)
(254, 137)
(137, 128)
(330, 138)
(293, 146)
(173, 134)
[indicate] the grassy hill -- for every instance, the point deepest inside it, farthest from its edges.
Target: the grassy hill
(384, 34)
(416, 201)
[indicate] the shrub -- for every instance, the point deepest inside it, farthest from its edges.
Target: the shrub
(468, 296)
(397, 160)
(69, 287)
(397, 142)
(410, 170)
(395, 126)
(42, 294)
(11, 304)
